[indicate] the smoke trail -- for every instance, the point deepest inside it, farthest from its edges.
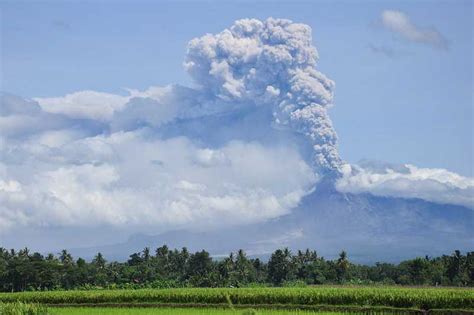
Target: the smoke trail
(270, 63)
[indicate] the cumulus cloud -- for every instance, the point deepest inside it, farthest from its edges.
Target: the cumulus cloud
(399, 23)
(407, 181)
(20, 117)
(102, 180)
(84, 104)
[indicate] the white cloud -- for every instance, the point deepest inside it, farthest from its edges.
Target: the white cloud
(102, 180)
(408, 181)
(399, 23)
(208, 157)
(84, 104)
(20, 117)
(58, 138)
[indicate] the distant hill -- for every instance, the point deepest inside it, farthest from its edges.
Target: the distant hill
(370, 228)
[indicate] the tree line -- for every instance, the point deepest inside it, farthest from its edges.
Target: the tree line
(165, 268)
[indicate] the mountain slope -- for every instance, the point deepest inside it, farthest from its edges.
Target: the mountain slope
(370, 228)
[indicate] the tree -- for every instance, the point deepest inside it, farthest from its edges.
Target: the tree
(135, 259)
(200, 268)
(454, 267)
(279, 267)
(67, 270)
(226, 271)
(342, 265)
(244, 271)
(66, 258)
(83, 273)
(470, 268)
(416, 271)
(23, 270)
(302, 263)
(260, 270)
(100, 273)
(162, 261)
(178, 263)
(146, 254)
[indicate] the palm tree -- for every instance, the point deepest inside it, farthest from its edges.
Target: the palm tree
(342, 266)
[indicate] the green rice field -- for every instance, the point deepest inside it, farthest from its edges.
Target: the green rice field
(235, 300)
(179, 311)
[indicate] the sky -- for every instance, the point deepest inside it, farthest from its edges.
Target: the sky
(396, 100)
(151, 116)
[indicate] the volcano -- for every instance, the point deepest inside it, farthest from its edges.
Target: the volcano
(246, 158)
(370, 228)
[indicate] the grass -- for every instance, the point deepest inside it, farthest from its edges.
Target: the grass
(217, 311)
(176, 311)
(310, 298)
(19, 308)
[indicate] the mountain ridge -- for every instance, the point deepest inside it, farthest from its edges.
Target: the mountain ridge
(371, 228)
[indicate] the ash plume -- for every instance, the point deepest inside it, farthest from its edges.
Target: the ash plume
(271, 63)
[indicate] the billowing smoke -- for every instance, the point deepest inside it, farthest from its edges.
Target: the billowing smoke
(270, 63)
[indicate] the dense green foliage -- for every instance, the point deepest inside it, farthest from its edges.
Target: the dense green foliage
(419, 298)
(25, 271)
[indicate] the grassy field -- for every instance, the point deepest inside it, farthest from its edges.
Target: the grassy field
(177, 311)
(391, 297)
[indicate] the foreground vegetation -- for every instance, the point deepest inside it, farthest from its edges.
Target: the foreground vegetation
(25, 271)
(20, 308)
(182, 311)
(25, 309)
(169, 278)
(394, 297)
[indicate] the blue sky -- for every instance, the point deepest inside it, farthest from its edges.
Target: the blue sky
(413, 105)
